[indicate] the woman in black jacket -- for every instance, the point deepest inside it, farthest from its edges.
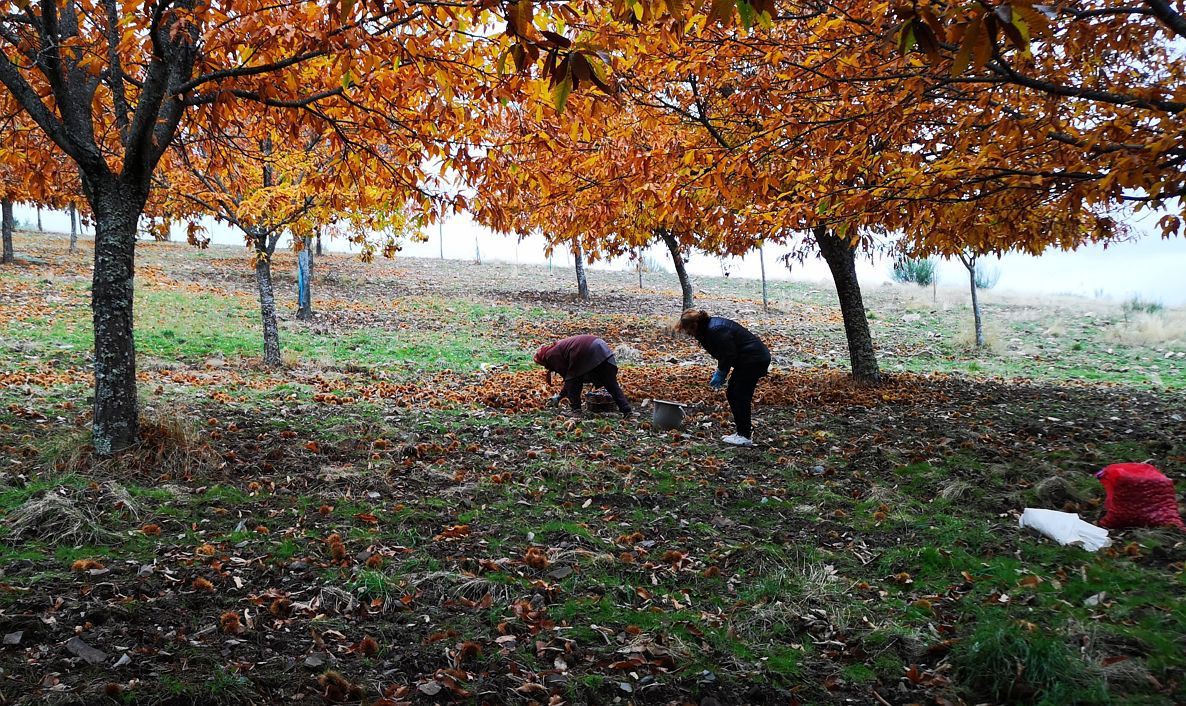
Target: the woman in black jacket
(734, 347)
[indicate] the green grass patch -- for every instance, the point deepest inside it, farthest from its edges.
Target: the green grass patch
(370, 584)
(1015, 663)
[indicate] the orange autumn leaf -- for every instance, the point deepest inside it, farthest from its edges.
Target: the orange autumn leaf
(453, 532)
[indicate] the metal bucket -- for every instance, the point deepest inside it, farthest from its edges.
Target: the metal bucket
(667, 415)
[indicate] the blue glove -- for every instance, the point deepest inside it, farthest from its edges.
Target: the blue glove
(717, 381)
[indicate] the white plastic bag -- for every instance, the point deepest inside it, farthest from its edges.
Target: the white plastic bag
(1066, 528)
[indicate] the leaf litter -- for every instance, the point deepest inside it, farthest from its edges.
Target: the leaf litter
(444, 538)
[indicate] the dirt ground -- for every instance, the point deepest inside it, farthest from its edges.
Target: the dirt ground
(394, 516)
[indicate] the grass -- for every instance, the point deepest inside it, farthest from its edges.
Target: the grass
(182, 327)
(285, 550)
(1163, 331)
(13, 497)
(884, 573)
(1016, 662)
(225, 686)
(914, 271)
(369, 584)
(224, 494)
(1139, 305)
(1116, 344)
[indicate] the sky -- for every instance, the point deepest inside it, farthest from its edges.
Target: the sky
(1150, 267)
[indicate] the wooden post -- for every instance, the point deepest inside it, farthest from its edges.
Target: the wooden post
(762, 263)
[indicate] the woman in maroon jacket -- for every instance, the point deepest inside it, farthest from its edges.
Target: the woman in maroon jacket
(582, 360)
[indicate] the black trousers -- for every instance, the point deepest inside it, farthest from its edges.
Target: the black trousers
(604, 375)
(740, 394)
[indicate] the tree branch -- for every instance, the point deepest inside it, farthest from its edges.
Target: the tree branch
(76, 113)
(154, 123)
(1170, 17)
(86, 155)
(1105, 12)
(207, 98)
(115, 70)
(702, 116)
(247, 71)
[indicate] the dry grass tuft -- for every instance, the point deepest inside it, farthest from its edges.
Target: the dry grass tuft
(1056, 490)
(1101, 650)
(593, 558)
(117, 497)
(290, 359)
(626, 353)
(59, 516)
(169, 447)
(336, 601)
(181, 494)
(477, 588)
(71, 452)
(72, 515)
(1131, 673)
(965, 339)
(1155, 536)
(919, 300)
(808, 591)
(884, 494)
(149, 364)
(1160, 328)
(1056, 329)
(954, 489)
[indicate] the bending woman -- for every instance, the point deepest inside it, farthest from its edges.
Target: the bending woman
(734, 347)
(582, 360)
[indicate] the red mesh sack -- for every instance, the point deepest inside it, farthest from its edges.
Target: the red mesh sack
(1139, 495)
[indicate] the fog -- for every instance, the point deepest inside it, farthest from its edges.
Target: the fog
(1149, 267)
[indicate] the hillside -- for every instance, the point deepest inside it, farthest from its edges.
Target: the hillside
(395, 515)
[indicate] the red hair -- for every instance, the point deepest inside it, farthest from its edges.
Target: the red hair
(692, 322)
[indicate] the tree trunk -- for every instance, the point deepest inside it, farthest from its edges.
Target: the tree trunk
(318, 249)
(304, 277)
(762, 264)
(117, 208)
(970, 264)
(681, 271)
(477, 252)
(267, 302)
(841, 259)
(578, 257)
(638, 263)
(7, 226)
(39, 228)
(73, 227)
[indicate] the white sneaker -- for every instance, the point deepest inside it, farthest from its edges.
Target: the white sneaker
(737, 440)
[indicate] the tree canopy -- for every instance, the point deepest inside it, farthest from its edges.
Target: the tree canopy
(986, 127)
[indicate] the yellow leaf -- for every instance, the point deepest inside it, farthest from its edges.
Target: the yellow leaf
(1036, 20)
